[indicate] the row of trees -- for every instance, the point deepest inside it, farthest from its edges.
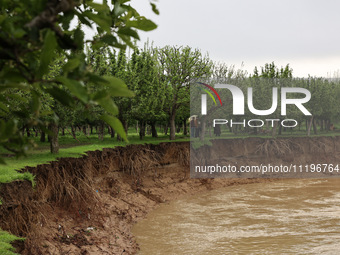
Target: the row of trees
(323, 104)
(160, 79)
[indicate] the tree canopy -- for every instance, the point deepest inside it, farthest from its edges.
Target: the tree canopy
(33, 34)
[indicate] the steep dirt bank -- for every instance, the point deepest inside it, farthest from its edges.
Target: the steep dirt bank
(299, 157)
(88, 205)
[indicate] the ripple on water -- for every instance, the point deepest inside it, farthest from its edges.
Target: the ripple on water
(285, 217)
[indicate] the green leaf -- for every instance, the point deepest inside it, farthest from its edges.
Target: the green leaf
(18, 33)
(142, 23)
(47, 53)
(103, 21)
(117, 87)
(12, 75)
(79, 38)
(98, 7)
(10, 85)
(118, 9)
(83, 19)
(108, 104)
(66, 19)
(154, 8)
(115, 124)
(62, 96)
(127, 40)
(75, 87)
(96, 78)
(109, 39)
(100, 95)
(71, 65)
(129, 31)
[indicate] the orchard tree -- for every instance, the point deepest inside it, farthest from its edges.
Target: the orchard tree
(149, 97)
(33, 33)
(179, 68)
(271, 76)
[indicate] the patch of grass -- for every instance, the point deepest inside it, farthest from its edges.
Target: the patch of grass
(8, 175)
(5, 243)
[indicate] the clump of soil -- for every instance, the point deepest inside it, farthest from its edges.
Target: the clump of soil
(88, 205)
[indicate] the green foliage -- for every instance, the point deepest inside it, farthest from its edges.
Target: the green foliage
(5, 243)
(148, 103)
(180, 67)
(34, 35)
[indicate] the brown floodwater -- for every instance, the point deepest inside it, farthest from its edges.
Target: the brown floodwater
(285, 217)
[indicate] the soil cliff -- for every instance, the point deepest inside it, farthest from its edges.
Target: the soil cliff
(88, 205)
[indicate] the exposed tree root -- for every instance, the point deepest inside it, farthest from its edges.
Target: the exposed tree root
(277, 147)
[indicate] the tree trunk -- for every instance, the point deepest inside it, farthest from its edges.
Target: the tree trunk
(314, 127)
(148, 129)
(178, 129)
(63, 131)
(274, 129)
(328, 125)
(166, 127)
(141, 130)
(42, 136)
(36, 132)
(173, 125)
(101, 131)
(112, 132)
(73, 130)
(185, 129)
(84, 130)
(28, 132)
(280, 127)
(54, 143)
(230, 128)
(309, 126)
(153, 129)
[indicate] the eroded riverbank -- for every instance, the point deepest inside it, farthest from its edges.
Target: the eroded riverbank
(89, 205)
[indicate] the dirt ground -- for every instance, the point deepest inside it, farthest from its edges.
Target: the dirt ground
(89, 205)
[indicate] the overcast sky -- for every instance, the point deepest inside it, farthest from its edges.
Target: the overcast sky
(303, 33)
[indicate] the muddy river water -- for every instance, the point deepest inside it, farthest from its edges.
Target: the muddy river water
(284, 217)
